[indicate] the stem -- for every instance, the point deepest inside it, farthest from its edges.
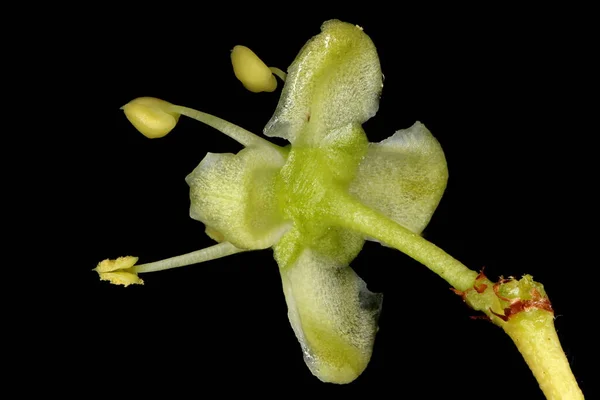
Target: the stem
(207, 254)
(235, 132)
(532, 330)
(534, 334)
(358, 217)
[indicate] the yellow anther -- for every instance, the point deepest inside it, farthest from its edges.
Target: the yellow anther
(251, 71)
(119, 271)
(153, 117)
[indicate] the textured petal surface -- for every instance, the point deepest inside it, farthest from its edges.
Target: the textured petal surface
(334, 81)
(403, 177)
(333, 314)
(234, 196)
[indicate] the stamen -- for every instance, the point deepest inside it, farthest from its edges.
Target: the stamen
(207, 254)
(155, 118)
(235, 132)
(252, 71)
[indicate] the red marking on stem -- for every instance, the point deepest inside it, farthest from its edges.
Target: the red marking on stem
(497, 289)
(517, 305)
(460, 293)
(481, 275)
(502, 317)
(478, 288)
(481, 288)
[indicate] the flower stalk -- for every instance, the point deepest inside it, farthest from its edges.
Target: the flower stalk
(521, 308)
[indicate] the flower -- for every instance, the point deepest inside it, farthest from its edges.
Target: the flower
(300, 200)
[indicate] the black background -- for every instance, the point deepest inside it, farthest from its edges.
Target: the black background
(491, 85)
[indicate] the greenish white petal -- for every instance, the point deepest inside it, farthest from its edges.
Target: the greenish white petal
(335, 80)
(403, 177)
(333, 314)
(234, 196)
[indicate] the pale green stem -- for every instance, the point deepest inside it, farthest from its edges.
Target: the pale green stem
(534, 334)
(282, 75)
(358, 217)
(235, 132)
(207, 254)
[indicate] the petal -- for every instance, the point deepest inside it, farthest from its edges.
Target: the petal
(234, 196)
(403, 177)
(333, 314)
(334, 81)
(340, 245)
(344, 148)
